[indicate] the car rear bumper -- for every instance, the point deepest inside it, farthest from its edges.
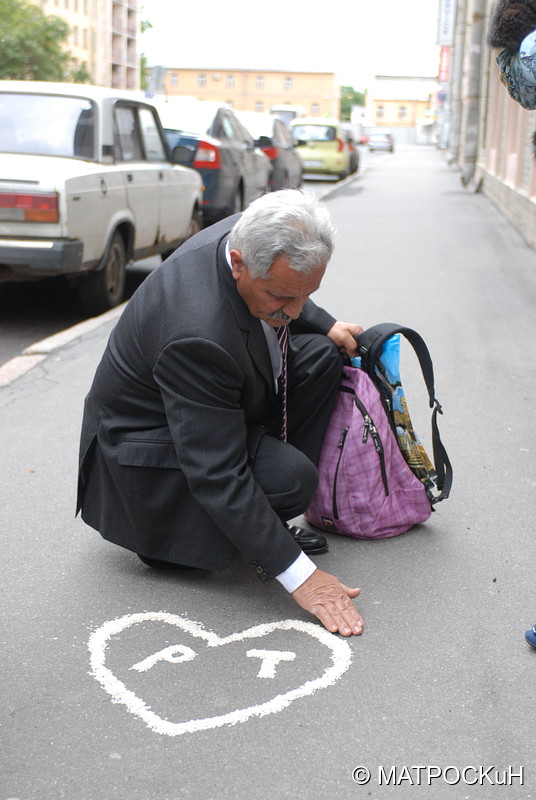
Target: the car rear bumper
(40, 257)
(331, 165)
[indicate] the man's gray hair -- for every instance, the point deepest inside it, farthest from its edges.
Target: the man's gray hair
(286, 223)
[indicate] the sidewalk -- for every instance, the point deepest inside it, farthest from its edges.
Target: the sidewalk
(120, 683)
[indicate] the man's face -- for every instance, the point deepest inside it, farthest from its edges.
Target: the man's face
(280, 297)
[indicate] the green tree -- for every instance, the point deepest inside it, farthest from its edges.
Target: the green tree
(350, 97)
(145, 25)
(32, 45)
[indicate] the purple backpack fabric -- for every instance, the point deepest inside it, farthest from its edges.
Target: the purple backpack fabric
(366, 489)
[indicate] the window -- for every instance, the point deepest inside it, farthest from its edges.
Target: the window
(202, 80)
(259, 83)
(154, 147)
(127, 144)
(47, 125)
(230, 81)
(75, 36)
(259, 106)
(288, 82)
(173, 79)
(84, 38)
(228, 129)
(402, 112)
(314, 133)
(315, 109)
(379, 112)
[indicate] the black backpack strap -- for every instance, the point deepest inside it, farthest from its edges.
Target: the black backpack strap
(369, 344)
(442, 463)
(371, 341)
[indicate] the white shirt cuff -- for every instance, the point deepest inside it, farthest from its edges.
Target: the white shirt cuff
(297, 573)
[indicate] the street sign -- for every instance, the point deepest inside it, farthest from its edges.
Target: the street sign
(446, 23)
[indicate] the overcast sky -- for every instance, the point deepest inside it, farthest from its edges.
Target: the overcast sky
(354, 38)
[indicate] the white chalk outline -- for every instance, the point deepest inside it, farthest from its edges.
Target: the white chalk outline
(167, 654)
(341, 656)
(270, 660)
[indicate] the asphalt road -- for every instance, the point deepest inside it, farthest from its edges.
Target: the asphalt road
(120, 683)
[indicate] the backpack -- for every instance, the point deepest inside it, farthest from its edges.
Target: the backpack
(375, 478)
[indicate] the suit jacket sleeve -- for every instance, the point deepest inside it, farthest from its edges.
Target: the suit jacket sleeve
(201, 385)
(312, 319)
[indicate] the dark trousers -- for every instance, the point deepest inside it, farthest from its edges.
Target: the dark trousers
(287, 471)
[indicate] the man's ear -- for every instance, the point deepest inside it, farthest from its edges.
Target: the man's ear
(237, 264)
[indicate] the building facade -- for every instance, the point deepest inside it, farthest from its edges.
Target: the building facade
(405, 105)
(103, 36)
(318, 93)
(489, 135)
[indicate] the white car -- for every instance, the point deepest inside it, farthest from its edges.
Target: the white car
(87, 184)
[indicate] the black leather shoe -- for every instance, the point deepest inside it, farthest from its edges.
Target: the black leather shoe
(311, 543)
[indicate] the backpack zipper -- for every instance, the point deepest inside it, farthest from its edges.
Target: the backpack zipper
(368, 429)
(341, 447)
(371, 428)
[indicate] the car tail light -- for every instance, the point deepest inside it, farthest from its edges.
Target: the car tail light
(23, 207)
(340, 145)
(271, 152)
(207, 156)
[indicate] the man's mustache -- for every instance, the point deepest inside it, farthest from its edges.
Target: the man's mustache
(280, 315)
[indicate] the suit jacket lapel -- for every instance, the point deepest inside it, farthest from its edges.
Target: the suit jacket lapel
(251, 327)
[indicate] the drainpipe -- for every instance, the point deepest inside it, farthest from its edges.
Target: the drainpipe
(472, 103)
(453, 144)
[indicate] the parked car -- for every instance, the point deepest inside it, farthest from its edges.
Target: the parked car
(321, 146)
(352, 146)
(381, 141)
(287, 112)
(209, 137)
(87, 185)
(272, 136)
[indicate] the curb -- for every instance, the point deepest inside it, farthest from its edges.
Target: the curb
(38, 351)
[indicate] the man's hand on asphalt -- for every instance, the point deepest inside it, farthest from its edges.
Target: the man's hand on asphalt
(329, 600)
(343, 334)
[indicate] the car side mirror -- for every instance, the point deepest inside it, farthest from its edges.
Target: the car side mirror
(182, 155)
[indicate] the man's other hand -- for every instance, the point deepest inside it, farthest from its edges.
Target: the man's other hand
(329, 600)
(343, 334)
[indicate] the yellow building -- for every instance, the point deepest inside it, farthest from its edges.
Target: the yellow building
(404, 104)
(103, 36)
(318, 93)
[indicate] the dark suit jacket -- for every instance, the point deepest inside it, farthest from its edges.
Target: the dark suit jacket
(170, 420)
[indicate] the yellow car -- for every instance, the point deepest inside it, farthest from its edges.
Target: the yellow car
(321, 145)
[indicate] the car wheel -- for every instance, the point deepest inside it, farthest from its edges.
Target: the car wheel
(196, 222)
(103, 289)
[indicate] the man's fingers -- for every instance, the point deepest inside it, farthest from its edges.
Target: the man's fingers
(351, 592)
(345, 621)
(325, 618)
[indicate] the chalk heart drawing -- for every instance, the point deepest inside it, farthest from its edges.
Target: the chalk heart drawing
(341, 657)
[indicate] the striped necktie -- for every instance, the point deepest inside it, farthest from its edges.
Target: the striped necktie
(282, 338)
